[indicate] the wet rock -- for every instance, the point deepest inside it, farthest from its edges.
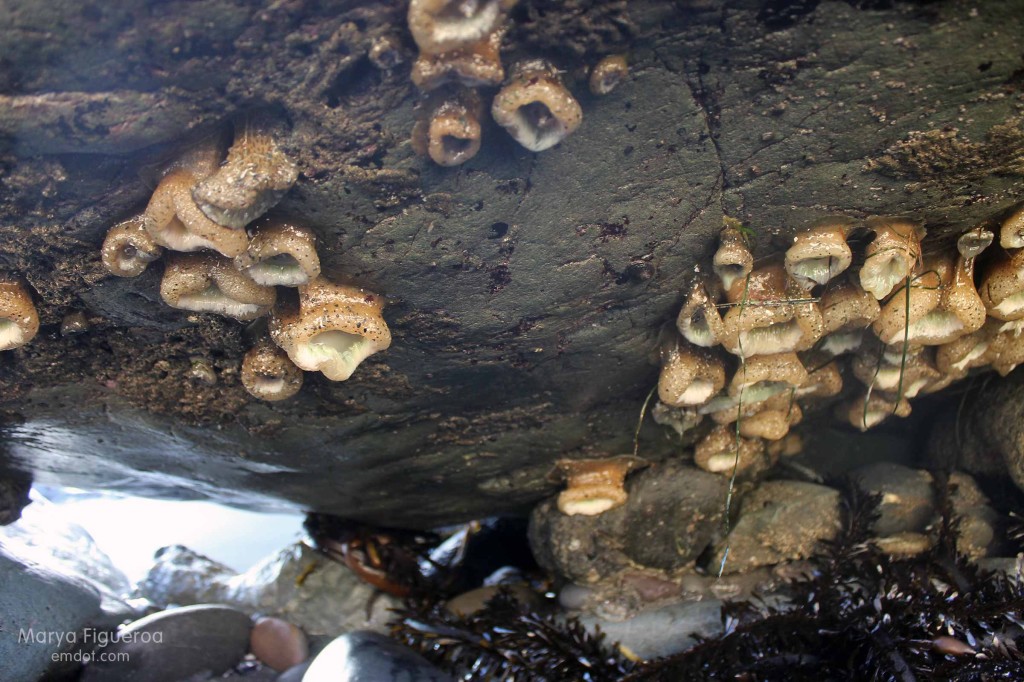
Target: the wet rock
(780, 521)
(297, 584)
(546, 275)
(907, 495)
(979, 523)
(985, 436)
(368, 657)
(40, 609)
(174, 644)
(182, 576)
(45, 535)
(468, 603)
(671, 515)
(14, 487)
(278, 643)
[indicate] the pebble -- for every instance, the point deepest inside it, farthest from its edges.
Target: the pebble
(364, 656)
(278, 643)
(174, 644)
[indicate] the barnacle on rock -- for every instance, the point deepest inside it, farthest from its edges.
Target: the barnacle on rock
(819, 254)
(280, 253)
(448, 129)
(19, 321)
(443, 25)
(593, 486)
(608, 73)
(129, 249)
(535, 107)
(204, 282)
(891, 256)
(475, 65)
(268, 374)
(333, 328)
(253, 179)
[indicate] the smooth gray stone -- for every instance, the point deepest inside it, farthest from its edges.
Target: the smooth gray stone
(363, 656)
(40, 608)
(175, 644)
(663, 631)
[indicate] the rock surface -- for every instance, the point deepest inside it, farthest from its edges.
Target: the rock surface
(525, 290)
(368, 657)
(172, 645)
(780, 521)
(40, 609)
(672, 514)
(298, 585)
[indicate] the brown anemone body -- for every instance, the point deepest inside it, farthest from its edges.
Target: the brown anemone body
(280, 253)
(19, 321)
(268, 374)
(128, 248)
(448, 130)
(205, 282)
(594, 486)
(535, 108)
(333, 328)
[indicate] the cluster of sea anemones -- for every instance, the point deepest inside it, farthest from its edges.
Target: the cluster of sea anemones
(228, 259)
(460, 51)
(760, 342)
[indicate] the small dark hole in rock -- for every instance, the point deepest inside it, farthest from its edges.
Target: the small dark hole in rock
(498, 230)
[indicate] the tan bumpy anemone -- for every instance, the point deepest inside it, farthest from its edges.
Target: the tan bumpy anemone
(819, 254)
(535, 107)
(699, 321)
(475, 65)
(608, 73)
(732, 260)
(690, 376)
(252, 180)
(594, 486)
(19, 321)
(204, 282)
(846, 310)
(268, 374)
(280, 253)
(443, 25)
(448, 129)
(721, 451)
(769, 315)
(891, 256)
(172, 217)
(1002, 286)
(871, 409)
(333, 328)
(129, 249)
(1011, 233)
(960, 309)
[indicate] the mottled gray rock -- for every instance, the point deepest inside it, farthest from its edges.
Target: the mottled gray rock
(907, 496)
(672, 514)
(174, 644)
(663, 631)
(41, 609)
(985, 435)
(182, 576)
(979, 524)
(780, 521)
(44, 534)
(525, 290)
(297, 584)
(14, 487)
(370, 657)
